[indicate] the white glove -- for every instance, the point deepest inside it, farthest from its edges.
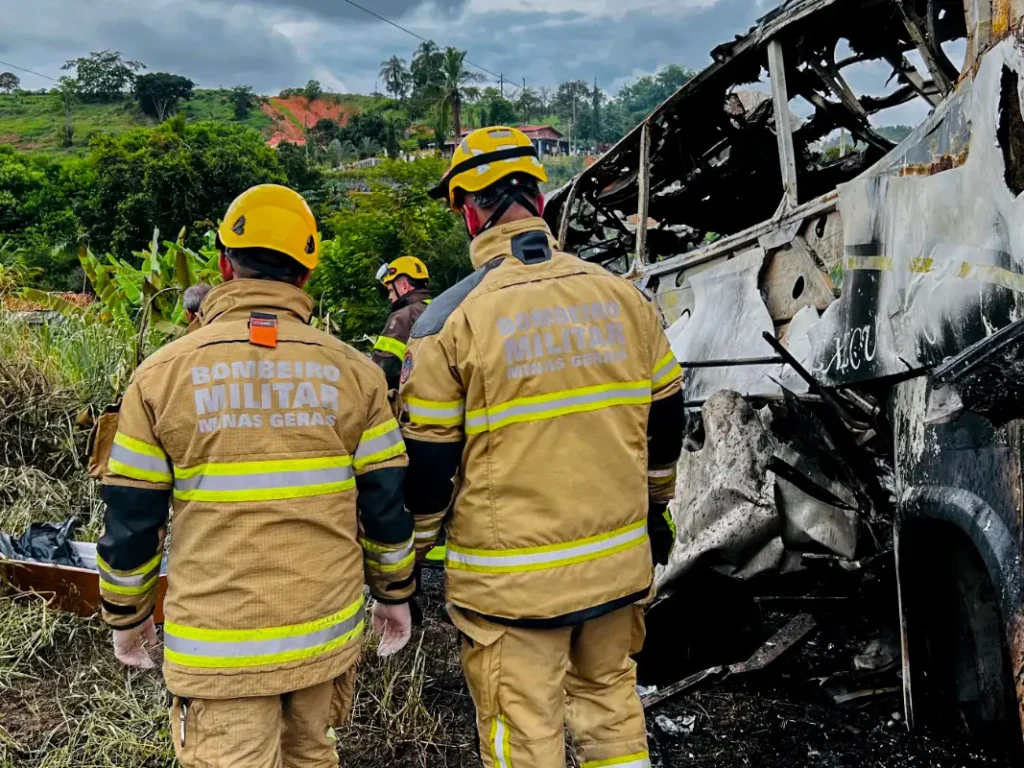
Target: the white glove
(128, 647)
(394, 623)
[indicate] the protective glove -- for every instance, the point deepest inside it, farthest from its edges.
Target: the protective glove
(128, 647)
(394, 623)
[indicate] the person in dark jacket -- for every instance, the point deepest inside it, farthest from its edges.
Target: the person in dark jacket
(408, 285)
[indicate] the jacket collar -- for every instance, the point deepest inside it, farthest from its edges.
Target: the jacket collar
(495, 242)
(236, 299)
(412, 297)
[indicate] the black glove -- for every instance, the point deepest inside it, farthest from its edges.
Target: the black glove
(661, 532)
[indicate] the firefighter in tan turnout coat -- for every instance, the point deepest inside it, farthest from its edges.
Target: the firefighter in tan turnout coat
(547, 387)
(276, 448)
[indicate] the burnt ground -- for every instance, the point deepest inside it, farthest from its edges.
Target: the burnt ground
(784, 717)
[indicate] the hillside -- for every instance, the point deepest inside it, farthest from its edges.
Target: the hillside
(32, 122)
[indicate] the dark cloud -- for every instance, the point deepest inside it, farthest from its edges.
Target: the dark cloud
(395, 10)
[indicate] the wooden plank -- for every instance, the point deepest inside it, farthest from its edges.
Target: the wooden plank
(643, 206)
(783, 128)
(931, 58)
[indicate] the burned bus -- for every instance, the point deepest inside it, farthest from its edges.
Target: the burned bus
(875, 293)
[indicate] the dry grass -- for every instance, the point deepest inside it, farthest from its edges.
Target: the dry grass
(64, 700)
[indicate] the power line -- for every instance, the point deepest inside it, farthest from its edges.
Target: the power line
(37, 74)
(419, 37)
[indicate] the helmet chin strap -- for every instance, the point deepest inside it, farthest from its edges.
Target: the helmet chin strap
(510, 198)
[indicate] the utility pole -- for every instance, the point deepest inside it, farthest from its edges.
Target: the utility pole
(502, 84)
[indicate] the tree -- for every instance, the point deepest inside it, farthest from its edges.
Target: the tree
(67, 87)
(572, 106)
(313, 91)
(243, 100)
(425, 74)
(368, 148)
(456, 86)
(326, 131)
(396, 77)
(544, 97)
(302, 174)
(104, 75)
(158, 93)
(9, 82)
(529, 104)
(497, 110)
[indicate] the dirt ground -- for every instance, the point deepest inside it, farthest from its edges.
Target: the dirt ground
(71, 700)
(781, 719)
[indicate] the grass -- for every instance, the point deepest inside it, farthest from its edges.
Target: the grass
(32, 122)
(65, 702)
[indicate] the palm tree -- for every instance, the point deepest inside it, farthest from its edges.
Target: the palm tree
(368, 148)
(425, 69)
(456, 86)
(395, 76)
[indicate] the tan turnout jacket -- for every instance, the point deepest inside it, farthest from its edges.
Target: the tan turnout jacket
(538, 373)
(284, 467)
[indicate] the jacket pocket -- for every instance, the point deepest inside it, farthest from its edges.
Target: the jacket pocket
(639, 633)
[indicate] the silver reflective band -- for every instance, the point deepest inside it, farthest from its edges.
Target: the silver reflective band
(551, 557)
(227, 649)
(665, 370)
(444, 412)
(391, 558)
(496, 417)
(265, 480)
(127, 581)
(427, 535)
(377, 445)
(140, 460)
(661, 472)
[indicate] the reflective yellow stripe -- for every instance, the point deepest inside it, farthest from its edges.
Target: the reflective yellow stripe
(138, 460)
(225, 648)
(636, 760)
(555, 404)
(501, 749)
(551, 556)
(665, 370)
(447, 413)
(391, 568)
(390, 345)
(135, 582)
(379, 444)
(264, 480)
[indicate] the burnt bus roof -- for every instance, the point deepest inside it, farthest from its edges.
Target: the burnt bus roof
(714, 155)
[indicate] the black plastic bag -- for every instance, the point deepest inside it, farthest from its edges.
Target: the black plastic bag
(44, 543)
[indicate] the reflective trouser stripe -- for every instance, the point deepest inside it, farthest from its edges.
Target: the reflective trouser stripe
(390, 345)
(435, 412)
(135, 582)
(557, 404)
(264, 480)
(539, 558)
(226, 648)
(501, 749)
(379, 444)
(636, 760)
(381, 558)
(661, 473)
(139, 460)
(665, 370)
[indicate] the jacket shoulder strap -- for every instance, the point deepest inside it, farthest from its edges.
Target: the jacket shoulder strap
(440, 309)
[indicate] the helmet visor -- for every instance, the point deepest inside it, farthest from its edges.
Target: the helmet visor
(382, 273)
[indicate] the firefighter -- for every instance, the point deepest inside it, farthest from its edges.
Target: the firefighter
(277, 449)
(547, 388)
(408, 285)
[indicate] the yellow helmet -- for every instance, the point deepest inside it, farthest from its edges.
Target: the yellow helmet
(485, 157)
(273, 217)
(409, 266)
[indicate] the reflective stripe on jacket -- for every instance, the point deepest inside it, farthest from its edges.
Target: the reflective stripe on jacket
(536, 377)
(389, 350)
(284, 467)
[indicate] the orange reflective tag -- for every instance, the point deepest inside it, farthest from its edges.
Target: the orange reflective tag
(263, 329)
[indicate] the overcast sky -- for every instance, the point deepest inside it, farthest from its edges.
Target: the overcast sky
(273, 44)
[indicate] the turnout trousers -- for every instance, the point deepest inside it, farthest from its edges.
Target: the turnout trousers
(527, 684)
(285, 731)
